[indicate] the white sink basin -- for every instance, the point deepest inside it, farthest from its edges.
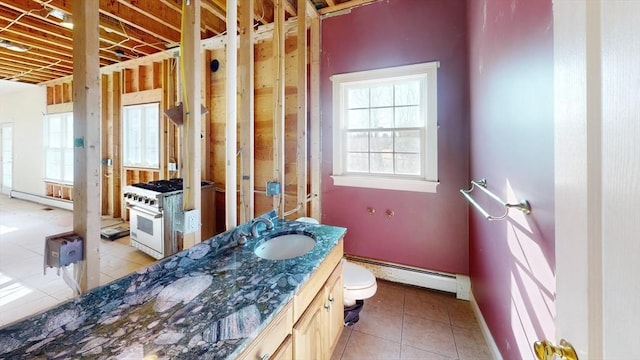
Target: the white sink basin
(285, 247)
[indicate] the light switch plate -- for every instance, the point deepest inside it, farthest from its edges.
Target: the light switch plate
(191, 221)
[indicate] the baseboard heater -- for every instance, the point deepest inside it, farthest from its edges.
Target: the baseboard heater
(457, 284)
(41, 199)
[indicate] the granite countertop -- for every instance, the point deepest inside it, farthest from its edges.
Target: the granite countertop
(206, 302)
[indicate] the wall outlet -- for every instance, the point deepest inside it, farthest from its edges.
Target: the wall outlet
(191, 221)
(273, 188)
(172, 166)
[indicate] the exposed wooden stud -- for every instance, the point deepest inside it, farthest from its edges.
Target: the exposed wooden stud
(231, 170)
(116, 124)
(314, 117)
(206, 122)
(105, 193)
(278, 105)
(301, 144)
(86, 133)
(190, 67)
(246, 111)
(142, 97)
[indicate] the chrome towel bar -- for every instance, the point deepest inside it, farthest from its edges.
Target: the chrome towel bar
(523, 205)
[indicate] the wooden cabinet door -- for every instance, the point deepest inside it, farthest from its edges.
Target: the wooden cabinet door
(335, 313)
(309, 334)
(285, 351)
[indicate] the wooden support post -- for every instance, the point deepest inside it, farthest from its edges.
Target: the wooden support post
(278, 104)
(301, 151)
(314, 116)
(115, 90)
(86, 139)
(190, 68)
(105, 190)
(246, 109)
(207, 146)
(231, 135)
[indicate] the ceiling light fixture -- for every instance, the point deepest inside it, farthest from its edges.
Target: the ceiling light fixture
(65, 19)
(11, 46)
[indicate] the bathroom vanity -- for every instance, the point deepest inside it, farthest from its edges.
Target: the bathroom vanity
(214, 300)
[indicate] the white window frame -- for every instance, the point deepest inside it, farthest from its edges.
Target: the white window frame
(146, 162)
(66, 145)
(428, 181)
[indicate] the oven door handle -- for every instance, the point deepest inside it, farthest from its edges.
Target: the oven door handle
(146, 212)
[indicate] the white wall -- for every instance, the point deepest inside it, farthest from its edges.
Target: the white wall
(24, 108)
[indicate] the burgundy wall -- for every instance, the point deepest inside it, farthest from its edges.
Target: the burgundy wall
(428, 230)
(512, 262)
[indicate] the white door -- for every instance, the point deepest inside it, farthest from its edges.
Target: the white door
(597, 184)
(6, 157)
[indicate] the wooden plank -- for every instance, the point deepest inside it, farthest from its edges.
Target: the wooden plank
(278, 104)
(105, 193)
(116, 123)
(142, 97)
(206, 122)
(301, 145)
(246, 100)
(314, 117)
(344, 6)
(86, 179)
(191, 67)
(59, 108)
(231, 170)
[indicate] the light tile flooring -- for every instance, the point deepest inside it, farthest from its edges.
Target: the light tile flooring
(406, 322)
(24, 289)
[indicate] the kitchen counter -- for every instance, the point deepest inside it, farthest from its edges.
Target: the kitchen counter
(206, 302)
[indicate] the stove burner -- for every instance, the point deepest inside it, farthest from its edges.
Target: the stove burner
(164, 186)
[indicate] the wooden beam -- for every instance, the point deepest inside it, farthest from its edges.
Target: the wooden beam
(207, 129)
(314, 117)
(343, 6)
(86, 136)
(191, 67)
(105, 193)
(247, 112)
(301, 144)
(231, 128)
(115, 104)
(278, 105)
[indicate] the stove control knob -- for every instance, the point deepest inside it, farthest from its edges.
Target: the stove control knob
(152, 202)
(146, 200)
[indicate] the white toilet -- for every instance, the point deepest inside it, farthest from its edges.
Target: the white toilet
(359, 283)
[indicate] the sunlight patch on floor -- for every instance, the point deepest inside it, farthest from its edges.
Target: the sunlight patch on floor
(11, 290)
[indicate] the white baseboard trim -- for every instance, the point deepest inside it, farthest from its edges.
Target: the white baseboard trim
(456, 284)
(493, 347)
(41, 199)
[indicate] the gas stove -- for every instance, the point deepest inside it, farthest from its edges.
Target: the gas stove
(152, 194)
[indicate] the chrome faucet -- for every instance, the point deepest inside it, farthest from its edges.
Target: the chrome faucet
(254, 226)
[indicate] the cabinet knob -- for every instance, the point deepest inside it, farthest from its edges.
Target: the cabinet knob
(331, 299)
(326, 306)
(264, 357)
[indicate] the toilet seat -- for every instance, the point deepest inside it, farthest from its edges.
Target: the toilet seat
(357, 277)
(358, 283)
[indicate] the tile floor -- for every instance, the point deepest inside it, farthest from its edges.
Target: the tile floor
(406, 322)
(24, 289)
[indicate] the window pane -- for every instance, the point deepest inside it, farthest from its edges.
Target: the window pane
(53, 166)
(357, 98)
(382, 163)
(407, 93)
(358, 162)
(408, 116)
(68, 137)
(382, 95)
(408, 141)
(408, 164)
(358, 119)
(54, 126)
(68, 166)
(358, 141)
(382, 141)
(382, 118)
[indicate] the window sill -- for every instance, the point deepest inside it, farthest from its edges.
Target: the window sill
(385, 184)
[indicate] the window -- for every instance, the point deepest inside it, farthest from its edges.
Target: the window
(58, 147)
(385, 128)
(141, 135)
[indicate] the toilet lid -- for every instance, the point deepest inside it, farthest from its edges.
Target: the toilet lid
(357, 277)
